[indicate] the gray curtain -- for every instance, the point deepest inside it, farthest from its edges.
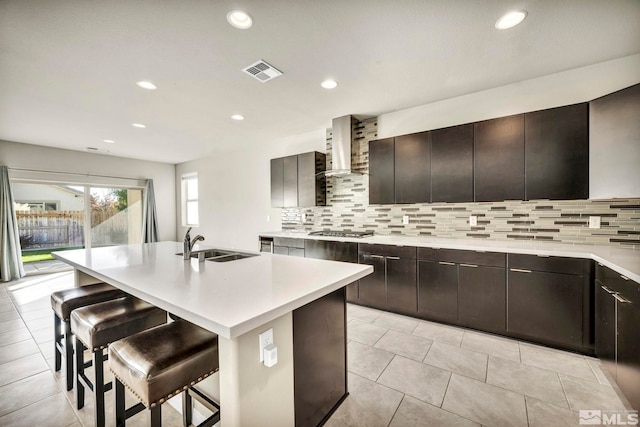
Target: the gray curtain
(149, 217)
(10, 252)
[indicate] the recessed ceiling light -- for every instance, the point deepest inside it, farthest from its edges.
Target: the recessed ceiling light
(138, 125)
(237, 117)
(329, 84)
(147, 85)
(511, 19)
(239, 19)
(109, 141)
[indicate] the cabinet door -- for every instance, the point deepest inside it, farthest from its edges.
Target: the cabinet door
(311, 185)
(290, 189)
(281, 250)
(499, 159)
(401, 285)
(277, 182)
(452, 164)
(413, 168)
(381, 172)
(557, 153)
(628, 368)
(371, 289)
(605, 324)
(545, 306)
(438, 289)
(482, 297)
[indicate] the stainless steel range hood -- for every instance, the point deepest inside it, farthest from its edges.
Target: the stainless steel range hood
(341, 148)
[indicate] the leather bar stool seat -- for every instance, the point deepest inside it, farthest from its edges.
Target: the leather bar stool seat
(162, 362)
(98, 325)
(63, 303)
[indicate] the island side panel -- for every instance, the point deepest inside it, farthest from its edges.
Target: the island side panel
(250, 393)
(81, 278)
(320, 358)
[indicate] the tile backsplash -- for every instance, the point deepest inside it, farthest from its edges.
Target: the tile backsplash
(565, 221)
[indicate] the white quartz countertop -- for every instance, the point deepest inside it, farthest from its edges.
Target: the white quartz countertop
(625, 261)
(228, 298)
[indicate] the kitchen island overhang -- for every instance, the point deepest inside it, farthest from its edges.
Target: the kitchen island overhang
(237, 300)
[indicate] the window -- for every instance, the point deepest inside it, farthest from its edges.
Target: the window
(190, 199)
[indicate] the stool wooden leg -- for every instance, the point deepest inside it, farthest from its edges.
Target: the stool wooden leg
(187, 408)
(79, 373)
(68, 348)
(120, 405)
(156, 416)
(98, 386)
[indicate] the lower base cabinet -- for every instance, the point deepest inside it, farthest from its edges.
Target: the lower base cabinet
(401, 284)
(371, 289)
(481, 297)
(617, 340)
(438, 290)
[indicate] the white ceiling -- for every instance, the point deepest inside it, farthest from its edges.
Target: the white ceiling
(68, 67)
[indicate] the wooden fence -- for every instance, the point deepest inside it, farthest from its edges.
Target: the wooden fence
(58, 229)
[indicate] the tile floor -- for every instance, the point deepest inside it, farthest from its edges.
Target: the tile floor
(402, 372)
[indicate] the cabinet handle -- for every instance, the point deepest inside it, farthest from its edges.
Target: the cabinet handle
(543, 256)
(446, 263)
(607, 290)
(376, 256)
(393, 257)
(519, 270)
(481, 252)
(619, 298)
(468, 265)
(624, 277)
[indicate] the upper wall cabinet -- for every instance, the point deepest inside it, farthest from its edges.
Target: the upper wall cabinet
(381, 172)
(413, 168)
(452, 164)
(499, 159)
(399, 169)
(614, 145)
(296, 180)
(557, 153)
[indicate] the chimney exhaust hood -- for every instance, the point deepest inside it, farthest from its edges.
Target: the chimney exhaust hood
(341, 148)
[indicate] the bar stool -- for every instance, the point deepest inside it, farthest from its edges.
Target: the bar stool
(63, 303)
(98, 325)
(160, 363)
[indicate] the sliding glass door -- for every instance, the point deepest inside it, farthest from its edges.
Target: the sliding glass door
(116, 216)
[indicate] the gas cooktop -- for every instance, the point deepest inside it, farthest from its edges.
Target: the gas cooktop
(333, 233)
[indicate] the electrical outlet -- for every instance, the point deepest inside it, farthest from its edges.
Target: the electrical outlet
(405, 219)
(268, 218)
(594, 222)
(265, 338)
(473, 221)
(303, 218)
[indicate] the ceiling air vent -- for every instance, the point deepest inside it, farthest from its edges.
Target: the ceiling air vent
(262, 71)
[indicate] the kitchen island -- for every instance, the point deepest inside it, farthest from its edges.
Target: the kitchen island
(238, 300)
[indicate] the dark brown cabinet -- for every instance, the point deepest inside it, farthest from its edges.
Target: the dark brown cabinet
(499, 159)
(438, 290)
(413, 168)
(335, 251)
(298, 181)
(462, 287)
(452, 164)
(617, 324)
(393, 282)
(550, 299)
(557, 153)
(381, 172)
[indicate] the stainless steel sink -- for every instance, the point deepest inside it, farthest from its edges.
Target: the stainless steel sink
(219, 255)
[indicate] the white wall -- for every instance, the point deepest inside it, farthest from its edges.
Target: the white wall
(93, 166)
(234, 191)
(235, 187)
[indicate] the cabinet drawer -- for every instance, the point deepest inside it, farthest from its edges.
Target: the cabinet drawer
(489, 259)
(627, 288)
(560, 265)
(387, 250)
(289, 241)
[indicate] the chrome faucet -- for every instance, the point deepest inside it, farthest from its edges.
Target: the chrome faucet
(187, 244)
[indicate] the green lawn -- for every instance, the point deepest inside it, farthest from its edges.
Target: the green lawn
(41, 255)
